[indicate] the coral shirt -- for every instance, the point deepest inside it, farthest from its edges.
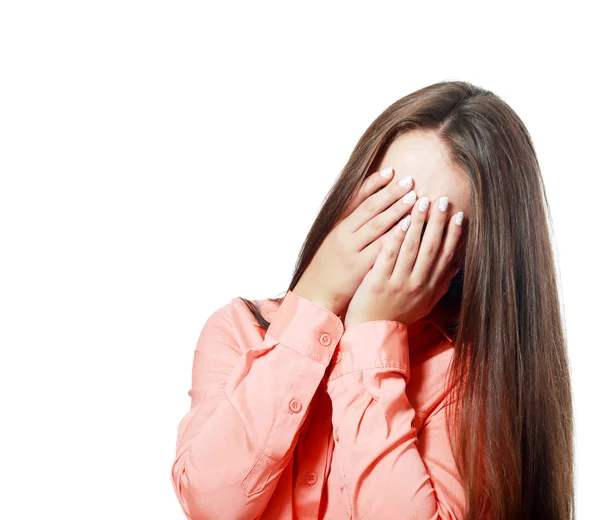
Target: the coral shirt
(311, 420)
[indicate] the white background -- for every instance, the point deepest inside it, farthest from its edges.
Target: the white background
(160, 158)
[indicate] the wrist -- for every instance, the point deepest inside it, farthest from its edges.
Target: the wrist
(317, 298)
(353, 320)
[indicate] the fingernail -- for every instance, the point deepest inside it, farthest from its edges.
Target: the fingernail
(405, 222)
(443, 204)
(405, 182)
(423, 203)
(387, 172)
(459, 218)
(409, 197)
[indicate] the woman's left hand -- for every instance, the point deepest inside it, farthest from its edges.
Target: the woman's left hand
(409, 276)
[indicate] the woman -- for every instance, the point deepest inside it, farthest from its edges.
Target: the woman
(416, 366)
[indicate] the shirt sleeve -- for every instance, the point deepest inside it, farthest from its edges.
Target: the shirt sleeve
(248, 402)
(388, 470)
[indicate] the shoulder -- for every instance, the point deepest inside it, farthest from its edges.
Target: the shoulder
(234, 323)
(243, 314)
(235, 310)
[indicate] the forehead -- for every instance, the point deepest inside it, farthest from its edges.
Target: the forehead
(424, 156)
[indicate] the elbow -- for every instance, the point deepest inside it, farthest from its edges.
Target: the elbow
(184, 488)
(192, 491)
(202, 495)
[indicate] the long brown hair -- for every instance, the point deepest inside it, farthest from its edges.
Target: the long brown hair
(512, 435)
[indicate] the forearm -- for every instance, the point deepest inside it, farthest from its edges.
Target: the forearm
(230, 462)
(376, 442)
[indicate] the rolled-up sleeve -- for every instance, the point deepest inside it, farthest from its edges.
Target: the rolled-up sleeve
(248, 402)
(389, 471)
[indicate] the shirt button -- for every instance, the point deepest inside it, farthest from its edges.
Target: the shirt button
(295, 405)
(338, 356)
(336, 434)
(325, 339)
(311, 477)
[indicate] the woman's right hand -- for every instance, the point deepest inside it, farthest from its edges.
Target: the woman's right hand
(349, 251)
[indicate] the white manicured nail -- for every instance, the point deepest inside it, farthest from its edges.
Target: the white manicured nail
(459, 218)
(409, 197)
(443, 204)
(423, 203)
(386, 172)
(405, 222)
(405, 182)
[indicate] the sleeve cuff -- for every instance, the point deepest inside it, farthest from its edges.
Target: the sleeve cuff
(373, 344)
(305, 327)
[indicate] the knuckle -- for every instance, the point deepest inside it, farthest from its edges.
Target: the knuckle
(431, 249)
(419, 284)
(389, 250)
(369, 206)
(378, 286)
(448, 256)
(410, 246)
(415, 288)
(377, 225)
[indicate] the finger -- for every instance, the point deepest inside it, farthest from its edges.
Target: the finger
(386, 259)
(448, 252)
(412, 240)
(375, 204)
(431, 241)
(369, 253)
(370, 185)
(384, 220)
